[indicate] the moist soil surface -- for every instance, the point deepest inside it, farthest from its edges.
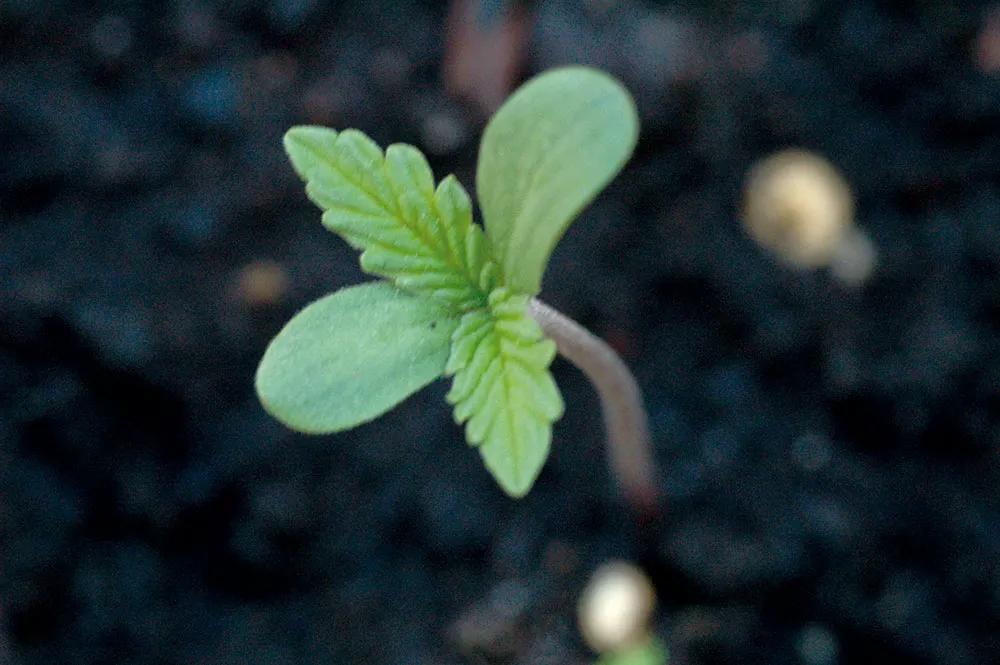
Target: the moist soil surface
(830, 456)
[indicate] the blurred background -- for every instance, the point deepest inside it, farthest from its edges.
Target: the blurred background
(830, 454)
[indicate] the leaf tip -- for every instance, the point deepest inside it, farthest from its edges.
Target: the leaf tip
(514, 485)
(301, 142)
(517, 493)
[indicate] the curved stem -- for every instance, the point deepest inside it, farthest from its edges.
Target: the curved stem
(630, 454)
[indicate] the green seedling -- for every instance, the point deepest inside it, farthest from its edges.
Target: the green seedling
(615, 612)
(650, 652)
(456, 298)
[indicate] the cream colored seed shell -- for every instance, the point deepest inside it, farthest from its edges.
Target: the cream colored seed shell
(615, 608)
(797, 205)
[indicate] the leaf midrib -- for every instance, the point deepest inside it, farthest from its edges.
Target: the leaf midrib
(423, 238)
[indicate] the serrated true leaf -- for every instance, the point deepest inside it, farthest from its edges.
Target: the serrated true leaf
(353, 355)
(420, 237)
(502, 389)
(545, 155)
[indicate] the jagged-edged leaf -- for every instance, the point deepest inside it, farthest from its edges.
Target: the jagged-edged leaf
(420, 237)
(353, 355)
(502, 389)
(545, 155)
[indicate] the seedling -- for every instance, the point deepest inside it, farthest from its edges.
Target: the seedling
(457, 299)
(797, 205)
(615, 613)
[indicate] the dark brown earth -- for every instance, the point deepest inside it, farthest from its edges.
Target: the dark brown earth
(831, 458)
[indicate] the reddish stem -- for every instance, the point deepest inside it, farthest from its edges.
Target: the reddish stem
(629, 449)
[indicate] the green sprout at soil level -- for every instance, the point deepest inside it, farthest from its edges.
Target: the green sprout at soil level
(458, 299)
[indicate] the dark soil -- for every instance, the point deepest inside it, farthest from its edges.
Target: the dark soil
(831, 458)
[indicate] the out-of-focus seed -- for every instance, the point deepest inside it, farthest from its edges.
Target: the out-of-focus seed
(261, 283)
(615, 608)
(798, 206)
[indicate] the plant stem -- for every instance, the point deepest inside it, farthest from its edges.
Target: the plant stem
(629, 449)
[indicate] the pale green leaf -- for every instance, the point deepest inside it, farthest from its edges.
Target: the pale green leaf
(420, 237)
(649, 652)
(353, 355)
(502, 389)
(548, 151)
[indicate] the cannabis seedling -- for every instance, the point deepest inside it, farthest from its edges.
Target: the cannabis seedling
(615, 613)
(457, 299)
